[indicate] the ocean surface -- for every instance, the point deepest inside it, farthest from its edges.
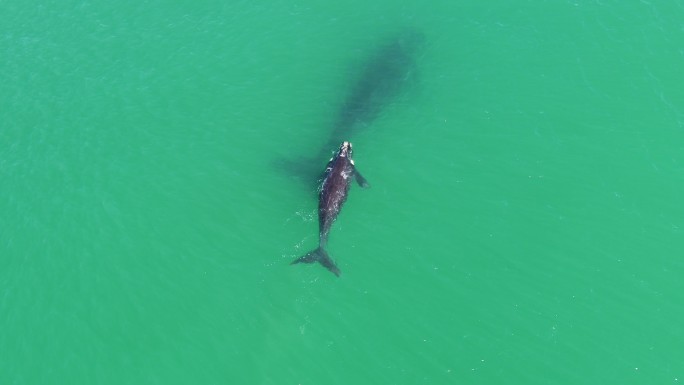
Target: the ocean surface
(524, 223)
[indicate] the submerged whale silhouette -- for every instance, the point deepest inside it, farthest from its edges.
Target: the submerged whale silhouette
(385, 74)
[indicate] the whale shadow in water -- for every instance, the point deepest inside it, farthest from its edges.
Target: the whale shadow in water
(386, 73)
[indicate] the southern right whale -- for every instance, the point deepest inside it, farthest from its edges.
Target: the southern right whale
(384, 75)
(339, 173)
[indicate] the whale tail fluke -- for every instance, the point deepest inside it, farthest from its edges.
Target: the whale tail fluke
(321, 256)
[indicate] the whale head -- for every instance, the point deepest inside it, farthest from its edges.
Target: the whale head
(345, 150)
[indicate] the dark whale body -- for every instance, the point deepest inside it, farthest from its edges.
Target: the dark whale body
(333, 193)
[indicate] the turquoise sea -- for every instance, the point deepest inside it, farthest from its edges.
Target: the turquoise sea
(524, 223)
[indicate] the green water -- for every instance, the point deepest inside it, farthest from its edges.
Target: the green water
(524, 224)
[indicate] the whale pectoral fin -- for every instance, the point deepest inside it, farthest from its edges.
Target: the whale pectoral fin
(360, 179)
(304, 169)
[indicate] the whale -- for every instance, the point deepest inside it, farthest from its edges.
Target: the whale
(333, 192)
(387, 72)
